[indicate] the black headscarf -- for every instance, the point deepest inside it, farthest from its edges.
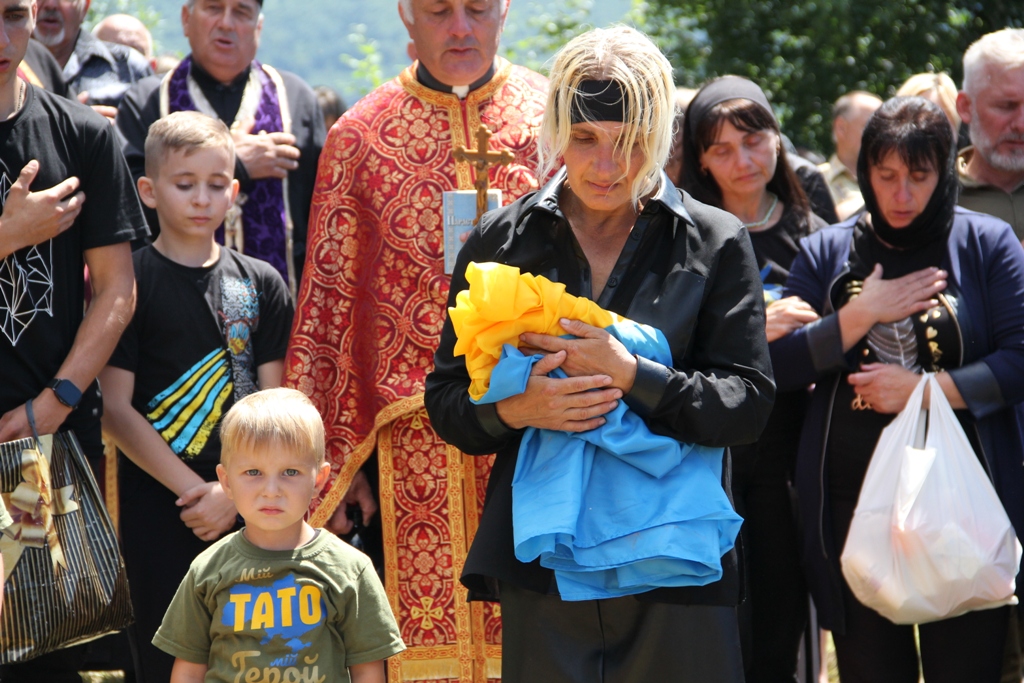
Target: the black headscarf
(934, 223)
(722, 90)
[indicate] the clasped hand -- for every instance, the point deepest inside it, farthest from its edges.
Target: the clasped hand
(890, 301)
(885, 387)
(266, 155)
(29, 218)
(787, 315)
(600, 371)
(207, 511)
(359, 493)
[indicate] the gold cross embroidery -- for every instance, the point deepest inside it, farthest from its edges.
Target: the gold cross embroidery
(482, 159)
(427, 613)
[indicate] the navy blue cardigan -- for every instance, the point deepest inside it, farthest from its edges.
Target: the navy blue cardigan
(986, 275)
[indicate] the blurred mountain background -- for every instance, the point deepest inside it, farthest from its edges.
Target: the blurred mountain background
(354, 45)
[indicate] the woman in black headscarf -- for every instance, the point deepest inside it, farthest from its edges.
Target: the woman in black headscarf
(733, 158)
(913, 284)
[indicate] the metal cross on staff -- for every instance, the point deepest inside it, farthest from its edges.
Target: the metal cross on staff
(482, 159)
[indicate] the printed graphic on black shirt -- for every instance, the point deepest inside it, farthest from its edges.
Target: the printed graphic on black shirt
(239, 317)
(26, 281)
(187, 412)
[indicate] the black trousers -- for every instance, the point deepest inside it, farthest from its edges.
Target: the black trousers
(619, 640)
(158, 549)
(965, 649)
(775, 613)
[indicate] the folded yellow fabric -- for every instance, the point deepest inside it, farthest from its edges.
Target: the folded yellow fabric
(501, 304)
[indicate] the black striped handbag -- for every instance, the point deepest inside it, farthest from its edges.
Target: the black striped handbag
(64, 579)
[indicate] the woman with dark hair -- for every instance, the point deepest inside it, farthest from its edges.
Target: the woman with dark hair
(914, 284)
(733, 158)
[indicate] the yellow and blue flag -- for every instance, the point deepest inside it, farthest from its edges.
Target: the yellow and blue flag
(614, 511)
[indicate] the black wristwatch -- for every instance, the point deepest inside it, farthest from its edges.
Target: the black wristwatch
(67, 393)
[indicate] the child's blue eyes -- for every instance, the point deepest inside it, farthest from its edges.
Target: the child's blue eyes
(290, 472)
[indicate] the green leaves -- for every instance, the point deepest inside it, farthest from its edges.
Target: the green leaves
(806, 53)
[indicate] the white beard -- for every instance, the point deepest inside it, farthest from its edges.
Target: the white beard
(52, 40)
(1008, 162)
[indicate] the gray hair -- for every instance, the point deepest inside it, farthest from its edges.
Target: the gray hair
(406, 9)
(1003, 49)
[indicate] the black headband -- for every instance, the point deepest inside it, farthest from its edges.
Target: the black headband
(722, 90)
(599, 101)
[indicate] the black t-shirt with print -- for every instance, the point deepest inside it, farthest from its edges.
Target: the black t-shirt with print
(42, 288)
(196, 339)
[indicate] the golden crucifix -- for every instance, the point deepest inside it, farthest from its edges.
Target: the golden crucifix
(482, 158)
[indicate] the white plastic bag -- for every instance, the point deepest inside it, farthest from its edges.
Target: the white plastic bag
(929, 538)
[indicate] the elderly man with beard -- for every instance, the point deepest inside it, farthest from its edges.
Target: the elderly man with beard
(371, 308)
(95, 72)
(273, 116)
(991, 103)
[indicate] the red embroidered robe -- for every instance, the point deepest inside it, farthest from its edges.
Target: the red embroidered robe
(370, 312)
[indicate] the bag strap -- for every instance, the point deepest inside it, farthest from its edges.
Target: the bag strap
(917, 396)
(31, 414)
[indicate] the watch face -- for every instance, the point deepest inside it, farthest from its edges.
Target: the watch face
(67, 393)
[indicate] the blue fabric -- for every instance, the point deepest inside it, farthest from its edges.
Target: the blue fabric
(986, 275)
(617, 510)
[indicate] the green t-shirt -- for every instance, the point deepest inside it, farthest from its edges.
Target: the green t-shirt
(304, 615)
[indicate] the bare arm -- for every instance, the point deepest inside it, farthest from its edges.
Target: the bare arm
(207, 510)
(113, 302)
(136, 437)
(369, 672)
(187, 672)
(270, 375)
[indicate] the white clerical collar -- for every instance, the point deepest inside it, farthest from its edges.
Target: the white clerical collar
(461, 91)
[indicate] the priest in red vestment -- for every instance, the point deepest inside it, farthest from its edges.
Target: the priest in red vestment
(372, 304)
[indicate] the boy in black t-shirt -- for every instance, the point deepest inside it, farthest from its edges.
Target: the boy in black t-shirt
(210, 327)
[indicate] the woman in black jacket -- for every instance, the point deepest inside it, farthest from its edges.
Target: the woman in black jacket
(612, 228)
(734, 158)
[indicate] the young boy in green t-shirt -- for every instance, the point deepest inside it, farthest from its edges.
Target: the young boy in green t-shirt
(278, 600)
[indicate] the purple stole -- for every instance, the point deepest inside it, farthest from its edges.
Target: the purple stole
(266, 227)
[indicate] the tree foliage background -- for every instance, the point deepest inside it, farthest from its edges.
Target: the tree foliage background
(807, 53)
(804, 53)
